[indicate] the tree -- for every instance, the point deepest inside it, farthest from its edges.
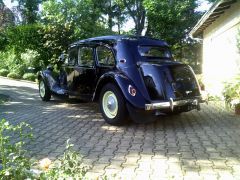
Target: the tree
(115, 12)
(171, 20)
(136, 10)
(28, 10)
(6, 16)
(69, 20)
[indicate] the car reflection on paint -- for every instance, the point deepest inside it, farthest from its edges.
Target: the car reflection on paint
(127, 75)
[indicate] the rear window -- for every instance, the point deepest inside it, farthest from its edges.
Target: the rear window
(155, 52)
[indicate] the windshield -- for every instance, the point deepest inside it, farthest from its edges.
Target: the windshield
(157, 52)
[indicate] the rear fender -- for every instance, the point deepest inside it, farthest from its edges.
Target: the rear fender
(123, 83)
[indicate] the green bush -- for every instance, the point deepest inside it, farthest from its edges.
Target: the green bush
(14, 75)
(29, 76)
(68, 167)
(231, 92)
(15, 164)
(4, 72)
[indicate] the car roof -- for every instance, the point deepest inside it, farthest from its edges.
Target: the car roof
(114, 38)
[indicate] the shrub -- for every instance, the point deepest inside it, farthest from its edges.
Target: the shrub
(29, 76)
(14, 75)
(31, 58)
(68, 167)
(231, 92)
(14, 162)
(4, 72)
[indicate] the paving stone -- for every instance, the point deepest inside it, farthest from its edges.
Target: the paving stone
(194, 145)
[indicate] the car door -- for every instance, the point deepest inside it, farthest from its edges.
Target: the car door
(84, 73)
(69, 68)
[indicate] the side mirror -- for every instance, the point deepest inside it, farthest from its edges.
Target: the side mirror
(62, 58)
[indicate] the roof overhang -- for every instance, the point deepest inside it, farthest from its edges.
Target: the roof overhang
(217, 9)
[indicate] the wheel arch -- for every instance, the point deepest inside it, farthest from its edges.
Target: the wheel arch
(104, 80)
(122, 82)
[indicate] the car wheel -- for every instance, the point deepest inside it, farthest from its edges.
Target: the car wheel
(44, 91)
(112, 105)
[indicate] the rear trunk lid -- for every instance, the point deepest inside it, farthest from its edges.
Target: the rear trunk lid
(169, 79)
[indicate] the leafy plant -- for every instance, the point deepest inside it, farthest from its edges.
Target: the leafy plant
(14, 161)
(14, 75)
(14, 164)
(68, 167)
(231, 92)
(4, 72)
(29, 76)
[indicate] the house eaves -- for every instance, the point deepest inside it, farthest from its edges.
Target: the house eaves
(217, 9)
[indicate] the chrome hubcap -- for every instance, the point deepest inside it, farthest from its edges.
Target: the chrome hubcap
(42, 89)
(110, 104)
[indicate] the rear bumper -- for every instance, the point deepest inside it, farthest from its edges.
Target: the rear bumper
(171, 104)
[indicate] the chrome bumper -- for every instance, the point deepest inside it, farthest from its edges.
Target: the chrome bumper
(171, 104)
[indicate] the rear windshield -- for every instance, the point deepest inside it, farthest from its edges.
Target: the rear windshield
(157, 52)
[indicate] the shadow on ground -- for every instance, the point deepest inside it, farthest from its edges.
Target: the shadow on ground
(194, 143)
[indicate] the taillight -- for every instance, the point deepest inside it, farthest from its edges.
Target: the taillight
(132, 90)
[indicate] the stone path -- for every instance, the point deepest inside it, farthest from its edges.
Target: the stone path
(193, 145)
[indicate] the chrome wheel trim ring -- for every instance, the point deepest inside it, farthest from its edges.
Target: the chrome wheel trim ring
(42, 89)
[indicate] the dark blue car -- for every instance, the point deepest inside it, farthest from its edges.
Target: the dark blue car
(127, 75)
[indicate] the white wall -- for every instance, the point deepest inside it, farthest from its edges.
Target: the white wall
(221, 57)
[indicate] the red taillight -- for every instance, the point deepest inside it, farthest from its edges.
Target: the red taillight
(132, 90)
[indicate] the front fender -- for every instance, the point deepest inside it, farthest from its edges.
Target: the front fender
(123, 82)
(51, 82)
(46, 76)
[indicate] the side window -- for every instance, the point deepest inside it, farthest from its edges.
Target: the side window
(85, 56)
(105, 56)
(73, 55)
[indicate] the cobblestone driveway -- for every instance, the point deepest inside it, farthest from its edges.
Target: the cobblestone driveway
(194, 145)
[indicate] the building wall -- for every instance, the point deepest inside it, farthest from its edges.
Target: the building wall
(221, 56)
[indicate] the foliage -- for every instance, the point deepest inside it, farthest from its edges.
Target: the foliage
(231, 91)
(28, 10)
(42, 36)
(27, 37)
(14, 162)
(29, 76)
(6, 16)
(14, 75)
(31, 58)
(171, 20)
(66, 21)
(3, 41)
(4, 72)
(68, 167)
(137, 11)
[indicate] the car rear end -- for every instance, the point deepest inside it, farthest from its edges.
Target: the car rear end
(167, 86)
